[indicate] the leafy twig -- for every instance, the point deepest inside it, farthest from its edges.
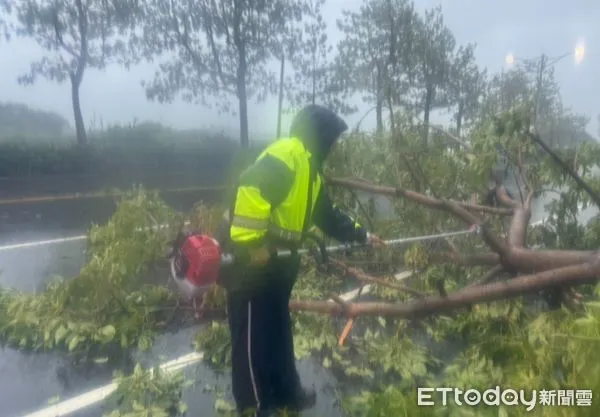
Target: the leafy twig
(593, 195)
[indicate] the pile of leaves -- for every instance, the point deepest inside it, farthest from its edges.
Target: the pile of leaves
(112, 302)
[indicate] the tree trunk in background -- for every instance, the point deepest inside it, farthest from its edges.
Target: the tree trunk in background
(459, 117)
(242, 70)
(243, 99)
(379, 115)
(428, 103)
(538, 90)
(79, 125)
(280, 104)
(379, 101)
(242, 96)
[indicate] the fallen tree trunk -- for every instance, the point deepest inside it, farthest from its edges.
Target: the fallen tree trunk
(570, 275)
(547, 268)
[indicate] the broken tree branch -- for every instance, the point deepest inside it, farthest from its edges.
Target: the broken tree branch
(525, 260)
(520, 220)
(550, 268)
(512, 254)
(570, 275)
(361, 276)
(411, 195)
(449, 206)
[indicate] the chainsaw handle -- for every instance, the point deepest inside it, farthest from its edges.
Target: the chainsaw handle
(230, 258)
(322, 257)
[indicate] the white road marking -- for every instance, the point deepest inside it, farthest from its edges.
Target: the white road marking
(84, 400)
(26, 245)
(60, 240)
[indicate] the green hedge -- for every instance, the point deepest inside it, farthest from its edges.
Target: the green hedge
(137, 147)
(53, 159)
(42, 159)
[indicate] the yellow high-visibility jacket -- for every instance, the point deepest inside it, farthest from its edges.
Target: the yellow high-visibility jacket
(281, 196)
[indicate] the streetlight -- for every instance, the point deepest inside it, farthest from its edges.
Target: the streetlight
(510, 59)
(543, 62)
(578, 53)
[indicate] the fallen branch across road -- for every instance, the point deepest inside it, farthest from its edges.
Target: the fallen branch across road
(544, 269)
(570, 275)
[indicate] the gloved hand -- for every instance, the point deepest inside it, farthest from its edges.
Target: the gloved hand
(375, 241)
(259, 256)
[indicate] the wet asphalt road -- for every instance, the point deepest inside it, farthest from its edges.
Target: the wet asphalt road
(29, 381)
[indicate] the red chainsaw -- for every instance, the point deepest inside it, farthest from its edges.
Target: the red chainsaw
(197, 258)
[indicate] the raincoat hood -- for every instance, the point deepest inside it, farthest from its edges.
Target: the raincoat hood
(318, 128)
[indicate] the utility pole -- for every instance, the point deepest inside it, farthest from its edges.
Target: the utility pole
(502, 81)
(544, 62)
(538, 88)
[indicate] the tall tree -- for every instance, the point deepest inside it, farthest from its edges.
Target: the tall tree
(75, 35)
(222, 50)
(401, 23)
(315, 76)
(293, 49)
(506, 90)
(434, 55)
(466, 86)
(361, 57)
(311, 60)
(557, 125)
(373, 53)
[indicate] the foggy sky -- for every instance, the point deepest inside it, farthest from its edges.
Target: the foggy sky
(526, 28)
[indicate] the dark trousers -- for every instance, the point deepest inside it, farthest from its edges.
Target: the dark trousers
(263, 363)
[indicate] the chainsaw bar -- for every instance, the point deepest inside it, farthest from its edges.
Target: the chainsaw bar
(195, 266)
(227, 259)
